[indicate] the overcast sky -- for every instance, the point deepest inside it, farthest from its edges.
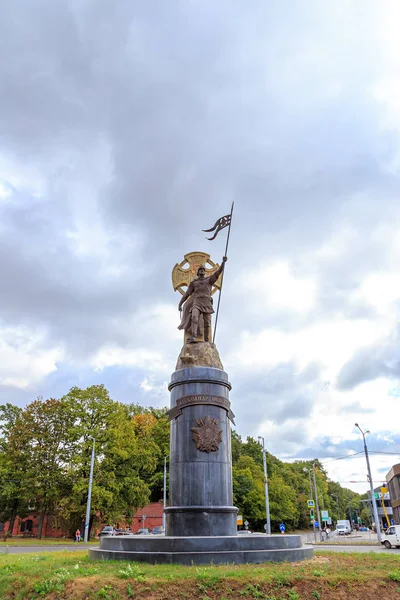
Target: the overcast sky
(127, 127)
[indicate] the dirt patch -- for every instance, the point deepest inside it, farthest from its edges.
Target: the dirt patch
(90, 588)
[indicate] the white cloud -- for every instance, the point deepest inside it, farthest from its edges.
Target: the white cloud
(276, 286)
(5, 190)
(149, 386)
(330, 343)
(25, 357)
(381, 290)
(154, 337)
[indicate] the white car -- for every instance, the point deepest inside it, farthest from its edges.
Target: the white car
(343, 530)
(391, 537)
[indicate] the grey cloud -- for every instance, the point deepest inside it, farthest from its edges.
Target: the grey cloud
(279, 395)
(157, 115)
(371, 363)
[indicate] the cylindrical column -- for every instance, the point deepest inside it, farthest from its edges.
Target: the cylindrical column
(200, 490)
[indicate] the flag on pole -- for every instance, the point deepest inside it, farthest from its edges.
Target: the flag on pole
(219, 224)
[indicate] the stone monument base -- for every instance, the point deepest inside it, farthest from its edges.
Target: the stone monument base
(204, 550)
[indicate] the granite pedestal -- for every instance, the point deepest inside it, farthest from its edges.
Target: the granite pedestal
(215, 550)
(200, 498)
(201, 519)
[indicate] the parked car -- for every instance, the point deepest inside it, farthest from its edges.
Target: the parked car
(158, 530)
(108, 530)
(391, 537)
(244, 532)
(143, 531)
(362, 528)
(123, 532)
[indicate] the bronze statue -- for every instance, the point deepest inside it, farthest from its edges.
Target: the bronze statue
(199, 303)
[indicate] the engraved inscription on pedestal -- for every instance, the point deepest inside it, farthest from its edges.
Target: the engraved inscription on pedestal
(207, 435)
(194, 399)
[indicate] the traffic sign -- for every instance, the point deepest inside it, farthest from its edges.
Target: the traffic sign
(246, 524)
(316, 524)
(310, 503)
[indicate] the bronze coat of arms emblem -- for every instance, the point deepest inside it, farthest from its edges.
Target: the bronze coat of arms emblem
(207, 435)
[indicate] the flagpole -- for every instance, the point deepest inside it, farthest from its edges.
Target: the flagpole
(222, 278)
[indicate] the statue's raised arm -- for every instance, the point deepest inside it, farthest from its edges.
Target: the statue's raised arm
(213, 278)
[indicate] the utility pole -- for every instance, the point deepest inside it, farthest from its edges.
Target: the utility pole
(164, 492)
(375, 508)
(268, 518)
(87, 520)
(317, 503)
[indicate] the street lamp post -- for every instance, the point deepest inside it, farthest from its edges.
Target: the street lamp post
(87, 520)
(375, 508)
(164, 492)
(311, 498)
(268, 518)
(309, 476)
(317, 503)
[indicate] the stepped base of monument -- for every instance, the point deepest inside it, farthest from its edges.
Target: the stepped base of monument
(202, 550)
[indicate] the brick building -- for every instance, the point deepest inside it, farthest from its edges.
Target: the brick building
(149, 517)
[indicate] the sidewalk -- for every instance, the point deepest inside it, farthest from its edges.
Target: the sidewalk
(356, 538)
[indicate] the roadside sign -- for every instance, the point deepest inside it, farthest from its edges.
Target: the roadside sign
(310, 503)
(329, 521)
(239, 520)
(324, 515)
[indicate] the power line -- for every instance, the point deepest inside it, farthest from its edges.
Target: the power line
(334, 458)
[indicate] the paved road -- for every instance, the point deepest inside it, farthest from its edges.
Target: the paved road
(50, 548)
(348, 548)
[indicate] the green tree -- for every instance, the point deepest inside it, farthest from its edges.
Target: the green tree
(125, 457)
(13, 493)
(38, 439)
(248, 487)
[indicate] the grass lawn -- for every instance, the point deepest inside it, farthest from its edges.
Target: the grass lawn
(72, 576)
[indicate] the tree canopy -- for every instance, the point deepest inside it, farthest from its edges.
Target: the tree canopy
(45, 455)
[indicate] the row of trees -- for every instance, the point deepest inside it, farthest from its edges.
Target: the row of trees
(289, 488)
(45, 451)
